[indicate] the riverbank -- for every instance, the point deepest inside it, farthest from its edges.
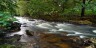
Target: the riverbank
(77, 20)
(54, 40)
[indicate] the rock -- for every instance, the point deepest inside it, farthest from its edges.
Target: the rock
(80, 22)
(10, 40)
(14, 27)
(29, 33)
(87, 42)
(93, 43)
(55, 41)
(58, 41)
(2, 34)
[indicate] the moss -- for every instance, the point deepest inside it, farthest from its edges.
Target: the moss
(7, 46)
(85, 22)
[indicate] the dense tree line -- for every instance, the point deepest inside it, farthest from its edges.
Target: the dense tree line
(63, 7)
(8, 6)
(49, 7)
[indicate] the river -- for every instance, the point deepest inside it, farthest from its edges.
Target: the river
(84, 31)
(36, 26)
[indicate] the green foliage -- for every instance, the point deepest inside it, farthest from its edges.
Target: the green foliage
(43, 7)
(40, 7)
(49, 7)
(8, 6)
(6, 46)
(22, 7)
(6, 19)
(7, 10)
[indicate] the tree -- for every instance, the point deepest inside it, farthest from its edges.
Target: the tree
(49, 6)
(8, 6)
(22, 7)
(83, 8)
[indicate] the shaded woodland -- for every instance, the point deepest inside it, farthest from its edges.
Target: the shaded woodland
(77, 12)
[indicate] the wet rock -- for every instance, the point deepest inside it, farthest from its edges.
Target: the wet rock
(87, 42)
(2, 34)
(54, 41)
(10, 40)
(31, 19)
(58, 41)
(93, 45)
(80, 22)
(13, 27)
(29, 33)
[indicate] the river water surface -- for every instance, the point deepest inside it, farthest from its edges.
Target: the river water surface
(35, 25)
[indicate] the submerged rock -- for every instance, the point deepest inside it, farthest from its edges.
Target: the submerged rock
(56, 41)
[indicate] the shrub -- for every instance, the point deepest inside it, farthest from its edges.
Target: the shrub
(6, 19)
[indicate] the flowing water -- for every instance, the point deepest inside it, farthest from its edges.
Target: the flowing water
(34, 25)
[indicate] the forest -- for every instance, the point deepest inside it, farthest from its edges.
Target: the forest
(47, 23)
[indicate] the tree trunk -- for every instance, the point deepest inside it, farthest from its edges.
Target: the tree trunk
(83, 8)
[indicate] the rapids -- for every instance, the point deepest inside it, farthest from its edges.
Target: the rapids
(35, 25)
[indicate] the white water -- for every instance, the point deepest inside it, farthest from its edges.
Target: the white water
(53, 27)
